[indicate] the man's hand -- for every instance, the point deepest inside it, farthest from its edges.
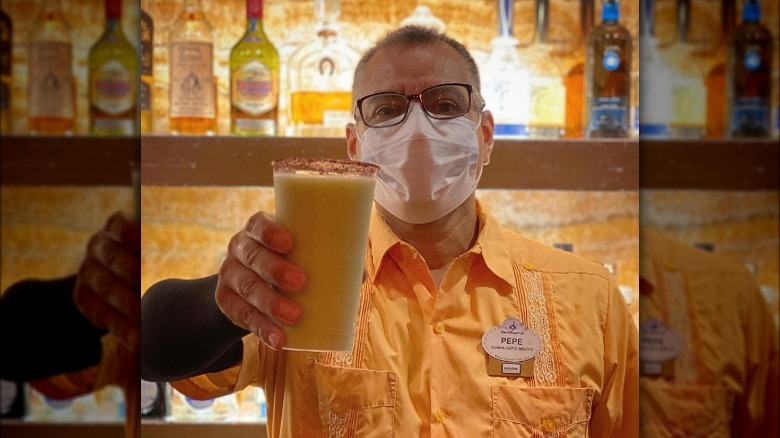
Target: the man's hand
(251, 276)
(107, 288)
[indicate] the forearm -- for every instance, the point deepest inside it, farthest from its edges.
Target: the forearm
(183, 332)
(43, 333)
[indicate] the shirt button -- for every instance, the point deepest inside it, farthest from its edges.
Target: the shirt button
(440, 416)
(670, 266)
(528, 265)
(438, 328)
(548, 424)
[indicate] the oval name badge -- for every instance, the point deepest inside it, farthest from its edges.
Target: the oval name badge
(657, 342)
(511, 341)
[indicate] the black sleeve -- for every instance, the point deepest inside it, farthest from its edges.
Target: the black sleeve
(183, 332)
(42, 333)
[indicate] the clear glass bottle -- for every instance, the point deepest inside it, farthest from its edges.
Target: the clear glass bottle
(689, 93)
(193, 90)
(254, 78)
(749, 75)
(113, 72)
(655, 91)
(6, 57)
(51, 86)
(504, 79)
(575, 77)
(608, 76)
(548, 93)
(147, 67)
(154, 399)
(319, 78)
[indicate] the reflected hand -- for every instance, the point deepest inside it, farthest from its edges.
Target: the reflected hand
(107, 290)
(251, 276)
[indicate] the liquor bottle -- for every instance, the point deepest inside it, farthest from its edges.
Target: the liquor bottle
(113, 72)
(689, 94)
(6, 47)
(608, 76)
(51, 86)
(655, 91)
(548, 94)
(505, 88)
(749, 75)
(254, 78)
(12, 399)
(716, 77)
(147, 67)
(319, 78)
(575, 77)
(193, 98)
(153, 400)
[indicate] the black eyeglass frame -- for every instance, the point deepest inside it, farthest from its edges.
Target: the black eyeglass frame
(418, 96)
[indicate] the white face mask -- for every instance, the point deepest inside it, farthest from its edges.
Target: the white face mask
(427, 167)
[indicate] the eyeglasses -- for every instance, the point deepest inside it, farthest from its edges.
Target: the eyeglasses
(444, 101)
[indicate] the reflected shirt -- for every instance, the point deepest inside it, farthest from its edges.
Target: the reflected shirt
(418, 367)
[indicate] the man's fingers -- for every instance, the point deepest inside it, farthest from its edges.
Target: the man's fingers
(263, 228)
(122, 228)
(245, 315)
(115, 257)
(269, 265)
(110, 289)
(106, 316)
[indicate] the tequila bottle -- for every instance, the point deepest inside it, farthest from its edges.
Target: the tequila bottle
(51, 87)
(320, 78)
(193, 97)
(575, 77)
(749, 75)
(505, 79)
(716, 77)
(254, 78)
(655, 92)
(548, 94)
(147, 67)
(608, 76)
(113, 72)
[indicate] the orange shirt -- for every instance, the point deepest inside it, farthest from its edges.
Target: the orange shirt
(418, 367)
(723, 381)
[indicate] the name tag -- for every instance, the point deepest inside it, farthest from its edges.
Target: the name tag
(659, 345)
(511, 347)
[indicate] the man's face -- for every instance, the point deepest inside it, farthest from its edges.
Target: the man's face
(410, 70)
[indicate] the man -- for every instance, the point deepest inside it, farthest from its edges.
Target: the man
(89, 323)
(440, 274)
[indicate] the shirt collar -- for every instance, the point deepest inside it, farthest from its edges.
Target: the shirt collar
(490, 243)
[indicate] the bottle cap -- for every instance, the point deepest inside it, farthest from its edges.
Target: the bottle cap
(751, 11)
(610, 11)
(113, 9)
(254, 8)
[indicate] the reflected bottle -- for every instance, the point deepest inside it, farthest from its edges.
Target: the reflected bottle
(655, 92)
(6, 56)
(689, 94)
(548, 94)
(113, 72)
(147, 67)
(749, 78)
(575, 77)
(193, 99)
(254, 78)
(505, 86)
(608, 76)
(716, 77)
(320, 78)
(51, 87)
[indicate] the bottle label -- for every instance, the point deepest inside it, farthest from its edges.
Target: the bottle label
(254, 89)
(752, 59)
(147, 39)
(199, 404)
(610, 60)
(51, 82)
(750, 114)
(608, 113)
(8, 393)
(113, 88)
(58, 404)
(257, 126)
(149, 394)
(146, 96)
(192, 82)
(123, 127)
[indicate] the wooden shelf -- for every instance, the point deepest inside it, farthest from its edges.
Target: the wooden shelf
(26, 429)
(527, 164)
(170, 429)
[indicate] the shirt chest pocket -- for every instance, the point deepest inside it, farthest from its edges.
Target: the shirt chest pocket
(541, 412)
(684, 410)
(355, 402)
